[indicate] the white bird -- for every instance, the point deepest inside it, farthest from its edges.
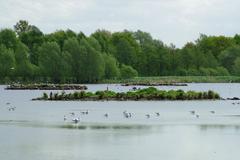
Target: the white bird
(76, 120)
(126, 114)
(11, 108)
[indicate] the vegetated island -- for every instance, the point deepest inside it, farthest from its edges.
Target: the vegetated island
(146, 94)
(153, 84)
(46, 87)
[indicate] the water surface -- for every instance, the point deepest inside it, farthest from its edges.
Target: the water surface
(36, 129)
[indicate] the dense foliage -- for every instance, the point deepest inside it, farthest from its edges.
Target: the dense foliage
(150, 93)
(27, 54)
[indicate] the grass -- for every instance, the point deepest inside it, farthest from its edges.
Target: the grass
(179, 79)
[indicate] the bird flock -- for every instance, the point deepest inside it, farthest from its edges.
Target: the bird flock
(76, 119)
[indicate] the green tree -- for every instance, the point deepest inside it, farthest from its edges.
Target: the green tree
(51, 61)
(111, 67)
(24, 68)
(7, 62)
(21, 27)
(227, 58)
(8, 38)
(236, 67)
(127, 72)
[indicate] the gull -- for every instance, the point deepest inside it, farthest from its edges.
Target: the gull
(106, 115)
(72, 113)
(192, 112)
(64, 118)
(147, 115)
(11, 108)
(76, 120)
(213, 112)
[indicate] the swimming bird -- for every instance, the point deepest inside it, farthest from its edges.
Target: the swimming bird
(72, 113)
(125, 114)
(192, 112)
(233, 103)
(197, 116)
(64, 118)
(158, 114)
(85, 112)
(8, 103)
(11, 108)
(147, 115)
(130, 115)
(76, 120)
(106, 115)
(213, 112)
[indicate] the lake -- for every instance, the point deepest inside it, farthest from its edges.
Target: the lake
(37, 130)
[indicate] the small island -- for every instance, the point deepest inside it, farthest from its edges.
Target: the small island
(46, 87)
(146, 94)
(154, 84)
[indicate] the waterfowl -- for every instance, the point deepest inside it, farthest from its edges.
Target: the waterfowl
(11, 108)
(106, 115)
(64, 118)
(192, 112)
(197, 116)
(125, 114)
(76, 120)
(72, 113)
(158, 114)
(147, 115)
(213, 112)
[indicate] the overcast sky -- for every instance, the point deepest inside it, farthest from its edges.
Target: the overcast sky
(172, 21)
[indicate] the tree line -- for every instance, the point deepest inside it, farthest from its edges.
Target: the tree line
(29, 55)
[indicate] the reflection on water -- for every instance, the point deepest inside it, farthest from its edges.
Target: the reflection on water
(37, 130)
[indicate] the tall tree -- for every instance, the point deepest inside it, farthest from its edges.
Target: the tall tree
(51, 61)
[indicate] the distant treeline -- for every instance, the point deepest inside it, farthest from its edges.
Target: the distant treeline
(29, 55)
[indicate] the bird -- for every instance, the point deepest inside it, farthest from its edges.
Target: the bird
(197, 116)
(8, 103)
(158, 114)
(11, 108)
(106, 115)
(192, 112)
(125, 114)
(213, 112)
(64, 118)
(72, 113)
(233, 103)
(85, 112)
(147, 115)
(76, 120)
(130, 115)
